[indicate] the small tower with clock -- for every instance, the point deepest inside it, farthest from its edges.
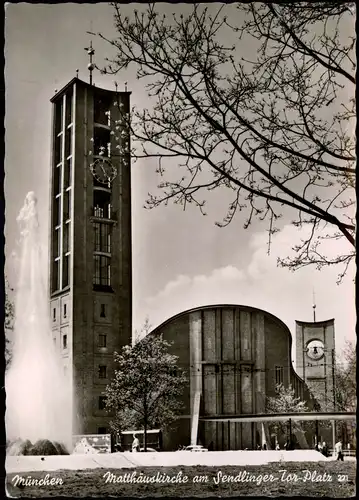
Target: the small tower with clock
(315, 358)
(90, 241)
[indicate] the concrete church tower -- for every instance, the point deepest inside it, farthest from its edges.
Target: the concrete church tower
(315, 358)
(90, 242)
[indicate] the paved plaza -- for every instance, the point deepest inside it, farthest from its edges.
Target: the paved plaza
(129, 460)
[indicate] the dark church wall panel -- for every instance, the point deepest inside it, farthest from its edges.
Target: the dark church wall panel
(228, 352)
(245, 335)
(209, 336)
(177, 332)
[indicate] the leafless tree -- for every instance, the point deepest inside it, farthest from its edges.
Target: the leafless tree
(276, 131)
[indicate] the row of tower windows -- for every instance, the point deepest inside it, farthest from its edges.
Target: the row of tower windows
(102, 271)
(102, 315)
(102, 343)
(62, 191)
(54, 312)
(102, 263)
(102, 207)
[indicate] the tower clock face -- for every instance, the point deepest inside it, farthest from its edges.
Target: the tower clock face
(103, 170)
(315, 349)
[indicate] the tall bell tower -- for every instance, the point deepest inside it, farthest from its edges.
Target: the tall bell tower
(90, 241)
(315, 359)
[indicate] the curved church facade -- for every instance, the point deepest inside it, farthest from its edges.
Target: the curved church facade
(233, 356)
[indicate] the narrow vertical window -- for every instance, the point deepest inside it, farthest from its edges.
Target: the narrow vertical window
(279, 375)
(66, 237)
(69, 108)
(57, 180)
(56, 274)
(102, 340)
(68, 142)
(68, 173)
(58, 148)
(97, 236)
(103, 311)
(67, 204)
(65, 270)
(57, 212)
(102, 271)
(58, 116)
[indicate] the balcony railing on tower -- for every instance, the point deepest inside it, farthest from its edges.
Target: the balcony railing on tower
(104, 212)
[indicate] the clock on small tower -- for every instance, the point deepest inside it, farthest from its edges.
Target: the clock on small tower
(315, 349)
(315, 358)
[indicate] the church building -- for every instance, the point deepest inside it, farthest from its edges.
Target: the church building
(234, 355)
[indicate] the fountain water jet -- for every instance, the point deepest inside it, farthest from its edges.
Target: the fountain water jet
(38, 395)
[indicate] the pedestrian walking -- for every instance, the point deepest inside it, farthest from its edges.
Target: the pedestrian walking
(339, 451)
(135, 444)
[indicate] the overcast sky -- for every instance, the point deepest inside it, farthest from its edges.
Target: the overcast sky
(180, 259)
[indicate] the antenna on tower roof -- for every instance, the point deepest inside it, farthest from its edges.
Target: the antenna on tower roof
(90, 66)
(314, 305)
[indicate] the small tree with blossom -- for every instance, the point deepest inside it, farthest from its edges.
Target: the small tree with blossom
(285, 402)
(146, 390)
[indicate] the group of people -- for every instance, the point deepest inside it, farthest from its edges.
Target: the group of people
(338, 449)
(321, 447)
